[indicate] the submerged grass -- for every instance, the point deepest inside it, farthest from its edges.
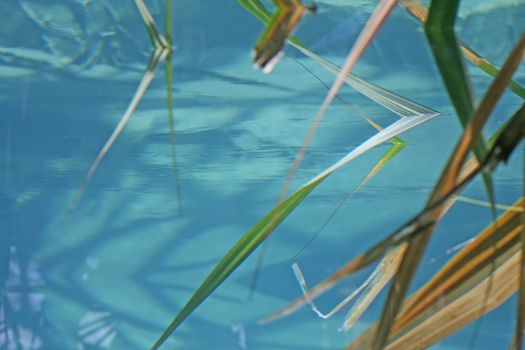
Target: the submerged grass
(457, 294)
(420, 13)
(279, 26)
(446, 184)
(262, 229)
(237, 254)
(506, 140)
(373, 92)
(162, 49)
(406, 244)
(439, 29)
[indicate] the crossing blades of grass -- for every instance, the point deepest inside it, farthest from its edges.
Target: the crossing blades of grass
(445, 185)
(260, 231)
(439, 29)
(343, 75)
(161, 50)
(506, 139)
(366, 36)
(387, 99)
(420, 12)
(456, 295)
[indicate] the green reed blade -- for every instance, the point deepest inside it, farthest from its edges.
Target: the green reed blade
(420, 12)
(439, 29)
(447, 184)
(238, 253)
(169, 96)
(257, 234)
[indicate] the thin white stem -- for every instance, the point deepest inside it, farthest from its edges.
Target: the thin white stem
(304, 288)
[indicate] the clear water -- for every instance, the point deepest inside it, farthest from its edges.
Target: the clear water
(114, 273)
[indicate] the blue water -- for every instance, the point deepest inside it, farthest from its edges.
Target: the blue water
(113, 274)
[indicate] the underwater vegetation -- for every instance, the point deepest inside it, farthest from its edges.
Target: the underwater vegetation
(484, 273)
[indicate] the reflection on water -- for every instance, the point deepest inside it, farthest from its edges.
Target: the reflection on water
(114, 273)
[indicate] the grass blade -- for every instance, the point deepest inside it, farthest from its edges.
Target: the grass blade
(302, 283)
(388, 266)
(439, 29)
(446, 183)
(155, 59)
(442, 306)
(501, 145)
(420, 12)
(162, 49)
(262, 229)
(156, 38)
(399, 105)
(473, 257)
(278, 28)
(237, 254)
(367, 34)
(507, 140)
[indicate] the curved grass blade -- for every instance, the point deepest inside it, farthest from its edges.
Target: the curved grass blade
(156, 38)
(304, 287)
(397, 146)
(399, 105)
(420, 12)
(507, 138)
(387, 99)
(439, 29)
(262, 229)
(237, 254)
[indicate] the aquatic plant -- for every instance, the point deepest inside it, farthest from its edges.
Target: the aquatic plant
(510, 135)
(494, 259)
(162, 51)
